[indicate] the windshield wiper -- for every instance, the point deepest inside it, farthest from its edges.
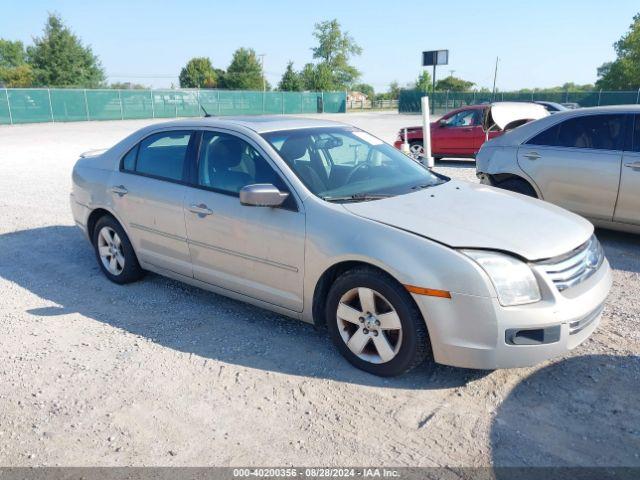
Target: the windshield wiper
(425, 185)
(357, 197)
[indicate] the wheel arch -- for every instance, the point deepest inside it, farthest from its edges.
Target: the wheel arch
(497, 178)
(329, 276)
(99, 212)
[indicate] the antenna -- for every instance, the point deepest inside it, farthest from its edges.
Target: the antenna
(206, 114)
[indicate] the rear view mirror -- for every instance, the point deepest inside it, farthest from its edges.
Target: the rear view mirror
(442, 123)
(328, 143)
(262, 195)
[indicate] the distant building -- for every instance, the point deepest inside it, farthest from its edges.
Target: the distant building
(356, 97)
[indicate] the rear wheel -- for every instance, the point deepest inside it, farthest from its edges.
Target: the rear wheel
(114, 252)
(519, 186)
(375, 324)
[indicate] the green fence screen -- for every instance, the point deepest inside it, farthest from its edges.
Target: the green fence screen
(29, 105)
(442, 102)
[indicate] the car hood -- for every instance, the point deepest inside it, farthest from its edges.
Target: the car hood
(466, 215)
(502, 114)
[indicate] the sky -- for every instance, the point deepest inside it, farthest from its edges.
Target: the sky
(540, 43)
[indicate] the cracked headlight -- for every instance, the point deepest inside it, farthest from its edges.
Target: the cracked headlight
(513, 279)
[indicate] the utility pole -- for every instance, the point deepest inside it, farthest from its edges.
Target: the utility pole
(495, 75)
(264, 80)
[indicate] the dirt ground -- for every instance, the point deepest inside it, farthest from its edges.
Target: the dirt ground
(160, 373)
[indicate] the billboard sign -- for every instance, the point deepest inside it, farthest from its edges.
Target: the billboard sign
(435, 57)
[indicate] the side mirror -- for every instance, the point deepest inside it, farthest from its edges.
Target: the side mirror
(262, 195)
(442, 123)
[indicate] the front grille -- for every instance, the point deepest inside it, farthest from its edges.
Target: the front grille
(576, 266)
(578, 325)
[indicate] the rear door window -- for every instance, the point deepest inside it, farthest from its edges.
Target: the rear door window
(163, 155)
(599, 132)
(635, 135)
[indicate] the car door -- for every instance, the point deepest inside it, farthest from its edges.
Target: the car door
(576, 163)
(628, 205)
(457, 134)
(148, 195)
(255, 251)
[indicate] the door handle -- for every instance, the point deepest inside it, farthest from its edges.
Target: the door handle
(119, 190)
(532, 155)
(634, 165)
(201, 210)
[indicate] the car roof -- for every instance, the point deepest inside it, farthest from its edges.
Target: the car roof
(526, 131)
(257, 123)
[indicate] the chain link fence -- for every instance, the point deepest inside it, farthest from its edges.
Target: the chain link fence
(31, 105)
(409, 101)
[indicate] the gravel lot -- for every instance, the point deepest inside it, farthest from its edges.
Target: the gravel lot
(160, 373)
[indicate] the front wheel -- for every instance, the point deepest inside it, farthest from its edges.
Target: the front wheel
(519, 186)
(416, 149)
(375, 324)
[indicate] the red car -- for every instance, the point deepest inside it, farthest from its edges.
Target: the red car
(461, 132)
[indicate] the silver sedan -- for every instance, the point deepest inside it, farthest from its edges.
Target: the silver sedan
(326, 223)
(586, 160)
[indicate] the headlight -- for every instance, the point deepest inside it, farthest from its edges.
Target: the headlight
(513, 279)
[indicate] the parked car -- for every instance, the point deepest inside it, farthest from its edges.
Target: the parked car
(325, 223)
(461, 132)
(585, 160)
(552, 107)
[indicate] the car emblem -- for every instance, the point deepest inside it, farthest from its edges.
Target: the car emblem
(592, 260)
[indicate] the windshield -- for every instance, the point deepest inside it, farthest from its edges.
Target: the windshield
(347, 164)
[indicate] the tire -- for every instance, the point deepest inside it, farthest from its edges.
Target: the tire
(519, 186)
(111, 242)
(416, 148)
(386, 351)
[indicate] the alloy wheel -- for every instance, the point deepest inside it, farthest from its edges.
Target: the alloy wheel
(110, 250)
(369, 325)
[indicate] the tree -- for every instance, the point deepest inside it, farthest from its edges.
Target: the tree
(128, 86)
(59, 59)
(423, 83)
(198, 73)
(317, 77)
(394, 90)
(245, 71)
(453, 84)
(624, 72)
(291, 81)
(366, 89)
(392, 93)
(21, 76)
(12, 54)
(333, 51)
(14, 72)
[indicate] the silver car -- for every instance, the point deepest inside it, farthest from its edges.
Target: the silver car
(325, 223)
(586, 160)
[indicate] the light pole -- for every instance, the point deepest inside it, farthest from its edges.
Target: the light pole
(264, 80)
(495, 75)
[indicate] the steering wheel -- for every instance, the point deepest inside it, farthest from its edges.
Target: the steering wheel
(356, 169)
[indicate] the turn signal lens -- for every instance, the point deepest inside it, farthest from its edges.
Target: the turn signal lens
(430, 292)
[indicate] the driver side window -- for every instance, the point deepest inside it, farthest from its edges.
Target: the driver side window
(465, 118)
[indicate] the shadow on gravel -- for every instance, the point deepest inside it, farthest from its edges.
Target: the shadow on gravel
(622, 249)
(577, 412)
(57, 264)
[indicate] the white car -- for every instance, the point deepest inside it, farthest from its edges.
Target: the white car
(325, 223)
(585, 160)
